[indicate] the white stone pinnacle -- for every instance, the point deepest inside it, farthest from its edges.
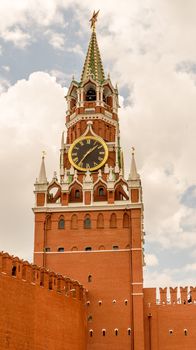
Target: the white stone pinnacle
(42, 174)
(133, 173)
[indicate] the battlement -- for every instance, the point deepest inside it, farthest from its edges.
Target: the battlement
(170, 295)
(39, 276)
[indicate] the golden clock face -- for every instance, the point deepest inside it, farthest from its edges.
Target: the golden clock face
(88, 152)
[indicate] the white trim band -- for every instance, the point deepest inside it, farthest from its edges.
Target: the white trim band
(137, 294)
(50, 208)
(86, 251)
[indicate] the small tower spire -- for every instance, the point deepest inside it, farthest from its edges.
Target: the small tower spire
(133, 173)
(42, 174)
(93, 64)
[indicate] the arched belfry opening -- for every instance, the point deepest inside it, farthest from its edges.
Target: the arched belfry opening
(91, 94)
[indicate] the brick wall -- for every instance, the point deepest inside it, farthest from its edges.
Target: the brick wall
(38, 309)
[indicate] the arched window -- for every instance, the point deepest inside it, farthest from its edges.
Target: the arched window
(113, 220)
(129, 331)
(87, 222)
(47, 249)
(115, 247)
(14, 270)
(88, 249)
(100, 221)
(74, 249)
(74, 221)
(77, 193)
(103, 332)
(91, 95)
(116, 331)
(91, 332)
(89, 278)
(125, 220)
(90, 318)
(61, 223)
(101, 191)
(61, 249)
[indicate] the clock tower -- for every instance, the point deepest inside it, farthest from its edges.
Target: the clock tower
(89, 220)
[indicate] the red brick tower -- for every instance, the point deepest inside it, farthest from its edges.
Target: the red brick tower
(89, 222)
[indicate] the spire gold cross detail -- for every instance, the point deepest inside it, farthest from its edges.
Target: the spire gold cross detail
(93, 19)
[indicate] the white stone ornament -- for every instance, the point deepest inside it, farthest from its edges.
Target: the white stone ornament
(71, 171)
(116, 169)
(75, 175)
(106, 169)
(111, 175)
(99, 174)
(55, 176)
(87, 177)
(66, 178)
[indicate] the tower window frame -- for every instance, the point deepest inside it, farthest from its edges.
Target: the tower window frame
(90, 278)
(77, 194)
(116, 332)
(101, 192)
(88, 249)
(91, 94)
(61, 249)
(61, 223)
(90, 318)
(104, 332)
(87, 222)
(47, 249)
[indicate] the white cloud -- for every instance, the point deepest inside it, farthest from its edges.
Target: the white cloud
(17, 37)
(57, 40)
(6, 68)
(151, 260)
(159, 279)
(76, 49)
(32, 116)
(190, 267)
(4, 85)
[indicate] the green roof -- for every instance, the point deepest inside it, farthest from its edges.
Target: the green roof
(93, 64)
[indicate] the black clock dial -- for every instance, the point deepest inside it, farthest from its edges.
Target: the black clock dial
(88, 153)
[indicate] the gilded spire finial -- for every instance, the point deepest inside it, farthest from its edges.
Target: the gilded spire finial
(133, 150)
(93, 65)
(93, 19)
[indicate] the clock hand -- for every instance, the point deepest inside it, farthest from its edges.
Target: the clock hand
(87, 153)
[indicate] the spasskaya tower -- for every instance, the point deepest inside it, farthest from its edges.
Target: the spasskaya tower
(88, 221)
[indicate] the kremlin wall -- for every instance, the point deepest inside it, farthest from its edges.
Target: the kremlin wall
(39, 309)
(84, 290)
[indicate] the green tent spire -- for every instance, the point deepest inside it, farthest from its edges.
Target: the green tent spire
(93, 64)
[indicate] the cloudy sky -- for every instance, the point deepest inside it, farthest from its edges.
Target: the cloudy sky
(148, 48)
